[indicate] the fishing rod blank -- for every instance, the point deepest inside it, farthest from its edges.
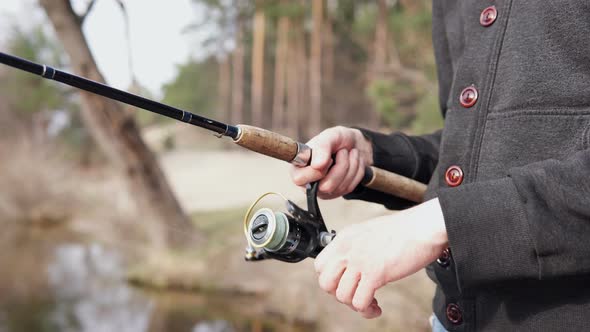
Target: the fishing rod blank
(253, 138)
(118, 95)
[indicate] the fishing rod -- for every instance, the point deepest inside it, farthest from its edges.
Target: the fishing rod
(290, 236)
(252, 138)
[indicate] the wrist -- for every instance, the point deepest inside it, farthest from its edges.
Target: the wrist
(364, 146)
(430, 224)
(439, 235)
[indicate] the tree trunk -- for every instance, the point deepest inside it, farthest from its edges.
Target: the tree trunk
(315, 69)
(303, 85)
(282, 48)
(118, 136)
(223, 88)
(381, 39)
(237, 101)
(378, 67)
(328, 52)
(293, 77)
(258, 68)
(411, 6)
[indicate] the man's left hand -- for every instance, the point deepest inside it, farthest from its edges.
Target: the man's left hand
(366, 256)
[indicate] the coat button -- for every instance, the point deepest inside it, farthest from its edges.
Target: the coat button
(468, 96)
(454, 176)
(488, 16)
(454, 314)
(444, 259)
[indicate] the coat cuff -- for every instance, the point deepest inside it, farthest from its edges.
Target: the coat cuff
(489, 240)
(392, 152)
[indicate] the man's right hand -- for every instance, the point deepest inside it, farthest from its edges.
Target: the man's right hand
(352, 151)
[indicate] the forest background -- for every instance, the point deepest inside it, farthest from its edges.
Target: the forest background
(174, 194)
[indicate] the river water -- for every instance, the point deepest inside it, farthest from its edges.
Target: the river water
(75, 286)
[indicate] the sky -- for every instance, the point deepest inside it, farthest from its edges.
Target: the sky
(157, 41)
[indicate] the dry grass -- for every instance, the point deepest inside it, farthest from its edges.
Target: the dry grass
(36, 184)
(288, 290)
(41, 188)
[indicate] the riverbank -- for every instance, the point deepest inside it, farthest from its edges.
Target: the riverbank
(288, 288)
(68, 215)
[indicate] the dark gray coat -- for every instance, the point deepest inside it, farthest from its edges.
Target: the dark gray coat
(519, 221)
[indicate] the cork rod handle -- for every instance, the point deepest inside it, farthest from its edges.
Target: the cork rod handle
(267, 143)
(284, 148)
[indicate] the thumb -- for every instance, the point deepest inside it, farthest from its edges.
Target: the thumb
(373, 311)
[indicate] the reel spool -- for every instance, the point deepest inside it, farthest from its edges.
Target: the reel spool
(289, 237)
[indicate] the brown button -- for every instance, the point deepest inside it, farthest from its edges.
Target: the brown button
(468, 96)
(454, 176)
(454, 314)
(445, 258)
(488, 16)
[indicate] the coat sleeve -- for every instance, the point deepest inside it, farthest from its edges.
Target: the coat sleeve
(534, 223)
(411, 156)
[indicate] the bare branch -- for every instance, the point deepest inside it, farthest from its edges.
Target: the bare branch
(128, 40)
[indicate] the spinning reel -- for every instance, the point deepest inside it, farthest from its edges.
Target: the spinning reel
(289, 237)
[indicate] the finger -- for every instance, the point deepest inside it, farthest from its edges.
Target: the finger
(347, 286)
(364, 295)
(336, 174)
(327, 143)
(330, 277)
(322, 147)
(305, 175)
(358, 176)
(373, 311)
(326, 256)
(353, 161)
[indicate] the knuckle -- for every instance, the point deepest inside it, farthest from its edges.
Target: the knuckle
(339, 128)
(328, 186)
(298, 178)
(333, 130)
(345, 157)
(341, 296)
(350, 187)
(326, 284)
(317, 266)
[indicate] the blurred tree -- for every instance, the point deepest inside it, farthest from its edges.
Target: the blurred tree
(401, 58)
(315, 69)
(25, 93)
(118, 135)
(237, 101)
(224, 86)
(259, 33)
(380, 52)
(428, 116)
(328, 43)
(227, 19)
(33, 106)
(281, 53)
(296, 79)
(316, 63)
(191, 89)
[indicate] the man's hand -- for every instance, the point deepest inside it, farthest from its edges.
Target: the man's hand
(352, 153)
(366, 256)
